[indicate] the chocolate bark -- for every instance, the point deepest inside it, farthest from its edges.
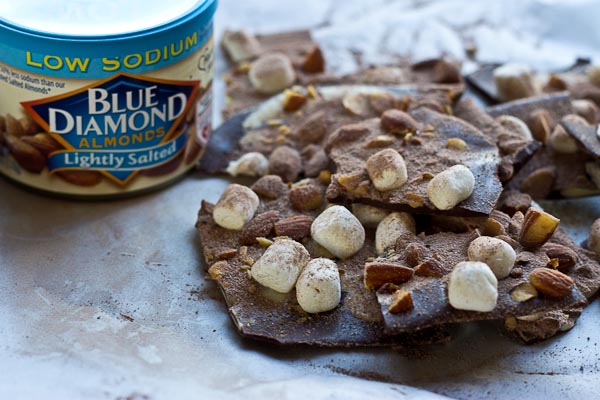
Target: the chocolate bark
(426, 154)
(260, 313)
(430, 298)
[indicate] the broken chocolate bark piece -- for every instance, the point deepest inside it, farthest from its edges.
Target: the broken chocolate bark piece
(557, 104)
(430, 294)
(309, 63)
(584, 132)
(261, 313)
(295, 45)
(541, 326)
(513, 147)
(426, 154)
(559, 167)
(307, 130)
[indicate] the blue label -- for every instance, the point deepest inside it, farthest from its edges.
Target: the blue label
(118, 126)
(101, 57)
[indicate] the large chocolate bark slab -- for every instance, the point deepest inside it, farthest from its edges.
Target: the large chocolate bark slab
(430, 297)
(261, 313)
(269, 127)
(425, 158)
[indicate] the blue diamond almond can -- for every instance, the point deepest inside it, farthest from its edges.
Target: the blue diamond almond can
(103, 98)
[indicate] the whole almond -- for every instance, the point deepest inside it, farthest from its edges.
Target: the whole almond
(313, 128)
(306, 197)
(286, 162)
(270, 187)
(541, 124)
(296, 227)
(551, 282)
(27, 156)
(567, 258)
(381, 102)
(378, 273)
(14, 126)
(539, 183)
(259, 226)
(43, 142)
(398, 122)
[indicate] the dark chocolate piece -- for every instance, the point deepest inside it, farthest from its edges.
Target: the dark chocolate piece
(430, 295)
(261, 313)
(426, 154)
(549, 173)
(584, 133)
(557, 104)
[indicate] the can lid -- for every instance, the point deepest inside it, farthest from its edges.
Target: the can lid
(92, 18)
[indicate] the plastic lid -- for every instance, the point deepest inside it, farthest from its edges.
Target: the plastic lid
(93, 17)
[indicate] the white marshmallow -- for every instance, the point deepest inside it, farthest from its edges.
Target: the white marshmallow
(318, 288)
(235, 207)
(514, 81)
(240, 45)
(279, 266)
(450, 187)
(473, 286)
(369, 216)
(339, 231)
(271, 73)
(387, 170)
(250, 164)
(391, 228)
(562, 142)
(515, 125)
(496, 253)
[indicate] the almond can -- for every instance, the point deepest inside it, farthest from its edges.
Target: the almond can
(104, 98)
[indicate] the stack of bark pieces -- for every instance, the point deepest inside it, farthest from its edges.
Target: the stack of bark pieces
(380, 214)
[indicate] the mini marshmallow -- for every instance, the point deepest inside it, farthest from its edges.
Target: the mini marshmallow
(279, 266)
(250, 164)
(318, 288)
(496, 253)
(473, 286)
(593, 242)
(514, 81)
(339, 231)
(562, 142)
(369, 216)
(515, 125)
(235, 207)
(386, 170)
(271, 73)
(391, 228)
(240, 45)
(450, 187)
